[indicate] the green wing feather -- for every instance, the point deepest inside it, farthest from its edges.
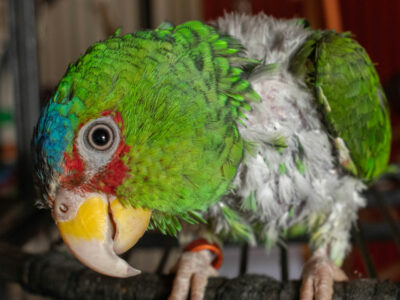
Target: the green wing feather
(350, 98)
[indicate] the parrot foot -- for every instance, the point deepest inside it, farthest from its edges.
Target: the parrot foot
(318, 276)
(192, 272)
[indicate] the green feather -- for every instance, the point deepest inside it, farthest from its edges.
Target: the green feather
(250, 203)
(300, 166)
(350, 97)
(180, 92)
(239, 230)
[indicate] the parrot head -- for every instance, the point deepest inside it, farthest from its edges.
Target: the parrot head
(79, 165)
(140, 133)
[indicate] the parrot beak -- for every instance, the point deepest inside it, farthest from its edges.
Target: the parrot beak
(97, 229)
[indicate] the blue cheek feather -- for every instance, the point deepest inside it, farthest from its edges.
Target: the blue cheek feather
(55, 132)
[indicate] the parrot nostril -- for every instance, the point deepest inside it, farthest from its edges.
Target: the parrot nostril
(63, 208)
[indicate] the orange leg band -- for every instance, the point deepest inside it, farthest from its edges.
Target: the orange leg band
(203, 244)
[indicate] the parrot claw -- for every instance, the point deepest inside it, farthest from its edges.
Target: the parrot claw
(192, 272)
(318, 276)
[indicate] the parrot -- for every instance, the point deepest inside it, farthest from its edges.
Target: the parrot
(245, 129)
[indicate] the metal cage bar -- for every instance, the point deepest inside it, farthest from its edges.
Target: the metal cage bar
(25, 73)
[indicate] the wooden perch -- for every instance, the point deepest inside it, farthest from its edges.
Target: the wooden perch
(59, 275)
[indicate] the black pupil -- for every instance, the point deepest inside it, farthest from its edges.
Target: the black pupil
(100, 137)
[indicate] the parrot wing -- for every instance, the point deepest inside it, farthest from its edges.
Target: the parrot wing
(350, 98)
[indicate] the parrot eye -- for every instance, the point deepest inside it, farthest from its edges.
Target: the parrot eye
(98, 140)
(100, 137)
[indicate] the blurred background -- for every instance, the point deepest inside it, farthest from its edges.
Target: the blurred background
(38, 39)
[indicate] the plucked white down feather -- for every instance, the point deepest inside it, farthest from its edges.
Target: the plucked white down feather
(284, 194)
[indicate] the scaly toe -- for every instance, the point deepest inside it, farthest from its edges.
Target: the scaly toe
(192, 272)
(319, 275)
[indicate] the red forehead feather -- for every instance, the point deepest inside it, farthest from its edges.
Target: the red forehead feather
(107, 179)
(73, 167)
(116, 116)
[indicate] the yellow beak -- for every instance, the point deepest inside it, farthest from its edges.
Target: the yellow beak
(97, 228)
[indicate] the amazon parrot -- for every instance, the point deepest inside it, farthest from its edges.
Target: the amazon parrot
(251, 127)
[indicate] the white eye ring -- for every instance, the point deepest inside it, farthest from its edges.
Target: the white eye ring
(98, 154)
(100, 136)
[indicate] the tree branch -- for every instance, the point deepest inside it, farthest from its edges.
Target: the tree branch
(59, 275)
